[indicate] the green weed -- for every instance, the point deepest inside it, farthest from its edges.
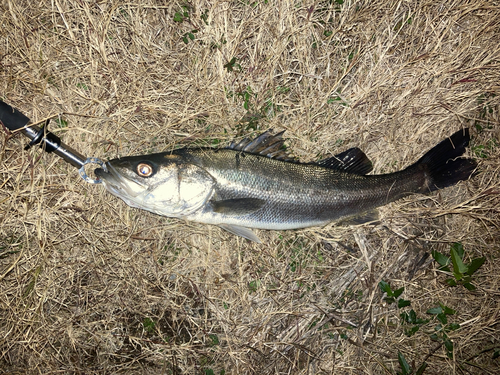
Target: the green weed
(401, 23)
(31, 285)
(253, 286)
(485, 109)
(183, 15)
(441, 313)
(406, 369)
(337, 99)
(82, 86)
(61, 123)
(232, 64)
(393, 295)
(149, 325)
(483, 151)
(462, 273)
(214, 340)
(411, 324)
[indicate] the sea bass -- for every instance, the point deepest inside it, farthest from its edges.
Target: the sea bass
(255, 184)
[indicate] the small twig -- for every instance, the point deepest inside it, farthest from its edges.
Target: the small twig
(432, 352)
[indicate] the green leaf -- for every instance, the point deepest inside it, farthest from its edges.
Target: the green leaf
(61, 123)
(449, 345)
(421, 369)
(230, 65)
(149, 325)
(385, 287)
(451, 282)
(178, 17)
(403, 303)
(442, 259)
(496, 353)
(413, 316)
(459, 268)
(398, 292)
(469, 286)
(204, 16)
(254, 285)
(405, 367)
(214, 339)
(405, 318)
(459, 249)
(435, 310)
(410, 332)
(453, 326)
(466, 279)
(475, 264)
(442, 318)
(447, 310)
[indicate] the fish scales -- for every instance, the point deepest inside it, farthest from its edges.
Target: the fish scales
(296, 195)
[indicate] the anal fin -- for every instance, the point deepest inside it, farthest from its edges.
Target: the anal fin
(366, 217)
(241, 231)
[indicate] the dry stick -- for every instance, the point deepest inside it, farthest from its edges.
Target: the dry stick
(431, 353)
(488, 349)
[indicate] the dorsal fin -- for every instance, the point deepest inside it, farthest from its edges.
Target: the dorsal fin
(265, 144)
(353, 161)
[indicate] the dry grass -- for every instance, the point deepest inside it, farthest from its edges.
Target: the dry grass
(89, 285)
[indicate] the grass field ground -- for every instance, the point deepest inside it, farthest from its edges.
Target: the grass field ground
(89, 285)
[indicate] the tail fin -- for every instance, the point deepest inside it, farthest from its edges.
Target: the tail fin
(443, 165)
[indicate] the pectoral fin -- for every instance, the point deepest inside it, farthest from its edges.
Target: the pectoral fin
(241, 231)
(237, 206)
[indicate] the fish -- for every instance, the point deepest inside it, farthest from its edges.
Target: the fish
(256, 184)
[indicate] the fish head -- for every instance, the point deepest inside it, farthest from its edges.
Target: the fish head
(161, 183)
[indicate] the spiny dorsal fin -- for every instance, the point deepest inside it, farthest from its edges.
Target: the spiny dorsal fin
(265, 144)
(353, 161)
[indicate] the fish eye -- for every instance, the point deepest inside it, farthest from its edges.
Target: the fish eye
(145, 169)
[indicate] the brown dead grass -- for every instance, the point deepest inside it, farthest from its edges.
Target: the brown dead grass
(89, 285)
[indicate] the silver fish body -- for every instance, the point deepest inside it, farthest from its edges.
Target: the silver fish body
(254, 185)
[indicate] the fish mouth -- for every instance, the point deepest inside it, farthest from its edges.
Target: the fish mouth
(117, 184)
(106, 175)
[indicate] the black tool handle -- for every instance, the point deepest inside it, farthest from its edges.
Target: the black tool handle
(14, 120)
(11, 117)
